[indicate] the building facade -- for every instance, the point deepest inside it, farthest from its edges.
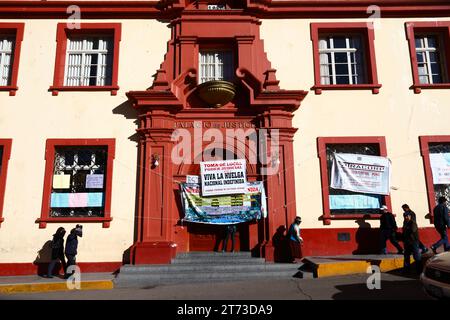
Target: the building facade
(91, 93)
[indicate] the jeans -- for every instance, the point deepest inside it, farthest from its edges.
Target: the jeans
(230, 232)
(414, 250)
(384, 236)
(71, 261)
(52, 265)
(443, 240)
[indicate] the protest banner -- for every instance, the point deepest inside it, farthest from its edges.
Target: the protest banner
(223, 177)
(361, 173)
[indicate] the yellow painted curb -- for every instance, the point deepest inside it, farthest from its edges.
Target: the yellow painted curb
(341, 268)
(59, 286)
(331, 269)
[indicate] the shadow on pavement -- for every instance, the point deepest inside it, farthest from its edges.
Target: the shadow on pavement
(390, 290)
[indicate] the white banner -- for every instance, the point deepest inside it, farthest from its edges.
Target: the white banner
(223, 177)
(440, 167)
(361, 173)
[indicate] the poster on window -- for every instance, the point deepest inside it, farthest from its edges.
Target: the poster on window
(361, 173)
(223, 177)
(440, 167)
(224, 209)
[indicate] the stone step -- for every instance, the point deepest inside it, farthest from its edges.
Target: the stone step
(219, 254)
(148, 280)
(174, 268)
(217, 260)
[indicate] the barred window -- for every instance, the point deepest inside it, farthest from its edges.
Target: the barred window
(438, 166)
(78, 184)
(89, 61)
(6, 59)
(215, 65)
(341, 60)
(369, 203)
(430, 60)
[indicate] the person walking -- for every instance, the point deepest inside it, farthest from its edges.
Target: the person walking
(57, 251)
(388, 227)
(71, 250)
(407, 210)
(295, 239)
(230, 232)
(441, 223)
(411, 242)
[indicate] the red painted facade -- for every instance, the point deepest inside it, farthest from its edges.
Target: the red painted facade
(259, 103)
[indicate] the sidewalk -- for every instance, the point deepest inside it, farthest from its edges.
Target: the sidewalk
(35, 283)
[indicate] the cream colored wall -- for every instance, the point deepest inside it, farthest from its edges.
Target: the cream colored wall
(396, 113)
(34, 115)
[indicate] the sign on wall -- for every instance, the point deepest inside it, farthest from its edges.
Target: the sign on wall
(440, 167)
(361, 173)
(223, 209)
(223, 177)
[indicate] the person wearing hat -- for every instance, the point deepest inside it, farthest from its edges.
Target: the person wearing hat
(407, 210)
(388, 227)
(295, 239)
(411, 242)
(57, 251)
(71, 249)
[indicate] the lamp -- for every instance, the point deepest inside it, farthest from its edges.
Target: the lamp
(155, 160)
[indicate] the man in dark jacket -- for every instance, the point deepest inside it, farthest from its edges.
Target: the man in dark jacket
(441, 223)
(411, 242)
(72, 246)
(57, 251)
(388, 227)
(407, 210)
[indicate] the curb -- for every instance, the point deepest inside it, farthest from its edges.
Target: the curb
(59, 286)
(331, 269)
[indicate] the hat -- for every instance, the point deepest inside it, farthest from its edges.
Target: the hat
(298, 219)
(383, 207)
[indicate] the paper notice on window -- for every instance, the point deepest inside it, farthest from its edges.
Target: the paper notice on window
(440, 167)
(94, 181)
(61, 181)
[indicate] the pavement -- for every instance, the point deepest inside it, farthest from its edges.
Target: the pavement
(349, 287)
(35, 283)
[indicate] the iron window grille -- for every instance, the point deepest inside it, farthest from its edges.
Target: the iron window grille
(84, 171)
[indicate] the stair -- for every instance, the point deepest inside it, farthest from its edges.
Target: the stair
(207, 267)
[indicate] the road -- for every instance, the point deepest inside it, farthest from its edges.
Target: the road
(352, 287)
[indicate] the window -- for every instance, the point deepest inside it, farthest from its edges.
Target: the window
(215, 65)
(344, 57)
(5, 152)
(429, 46)
(436, 157)
(78, 180)
(89, 61)
(356, 205)
(341, 60)
(87, 58)
(11, 35)
(429, 62)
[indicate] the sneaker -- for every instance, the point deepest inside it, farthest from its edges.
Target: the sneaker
(434, 250)
(424, 250)
(47, 276)
(400, 252)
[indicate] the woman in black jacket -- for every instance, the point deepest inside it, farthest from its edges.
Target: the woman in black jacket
(57, 251)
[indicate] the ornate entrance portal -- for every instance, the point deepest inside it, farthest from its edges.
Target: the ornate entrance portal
(255, 125)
